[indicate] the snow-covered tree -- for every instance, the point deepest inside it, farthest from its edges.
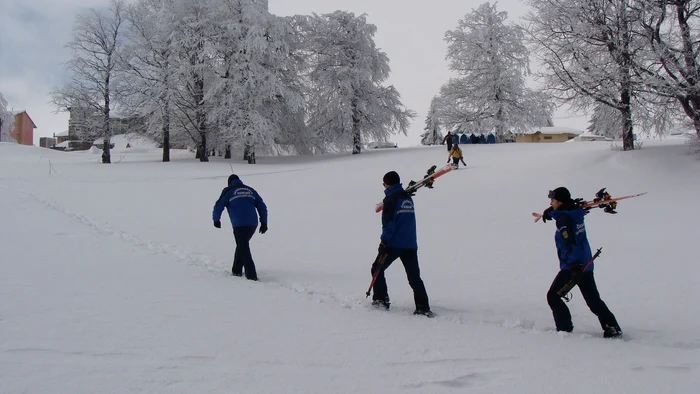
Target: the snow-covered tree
(491, 62)
(588, 48)
(254, 93)
(93, 70)
(605, 121)
(432, 135)
(7, 121)
(671, 30)
(347, 101)
(150, 62)
(195, 25)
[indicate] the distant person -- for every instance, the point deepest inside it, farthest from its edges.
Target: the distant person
(448, 138)
(242, 202)
(398, 241)
(574, 256)
(456, 155)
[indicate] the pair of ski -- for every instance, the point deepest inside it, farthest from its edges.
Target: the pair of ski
(413, 186)
(538, 216)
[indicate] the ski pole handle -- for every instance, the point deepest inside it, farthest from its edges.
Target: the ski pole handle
(566, 289)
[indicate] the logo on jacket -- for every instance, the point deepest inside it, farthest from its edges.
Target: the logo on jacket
(242, 193)
(406, 207)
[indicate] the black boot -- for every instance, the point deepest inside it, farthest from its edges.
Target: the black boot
(424, 312)
(381, 304)
(612, 332)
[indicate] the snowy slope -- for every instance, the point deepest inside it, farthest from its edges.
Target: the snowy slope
(113, 278)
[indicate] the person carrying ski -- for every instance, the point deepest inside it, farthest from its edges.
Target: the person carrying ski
(456, 155)
(574, 254)
(398, 241)
(242, 202)
(448, 139)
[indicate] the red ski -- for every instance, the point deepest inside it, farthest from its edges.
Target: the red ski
(423, 182)
(538, 216)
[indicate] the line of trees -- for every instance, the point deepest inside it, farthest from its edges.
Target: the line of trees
(632, 63)
(228, 75)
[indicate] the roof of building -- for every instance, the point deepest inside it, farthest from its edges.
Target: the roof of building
(555, 130)
(24, 111)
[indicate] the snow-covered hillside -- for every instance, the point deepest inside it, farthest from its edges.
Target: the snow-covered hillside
(113, 278)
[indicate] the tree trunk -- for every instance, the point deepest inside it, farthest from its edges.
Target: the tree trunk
(166, 130)
(249, 153)
(626, 94)
(227, 155)
(204, 155)
(499, 115)
(356, 132)
(626, 112)
(106, 156)
(627, 130)
(201, 117)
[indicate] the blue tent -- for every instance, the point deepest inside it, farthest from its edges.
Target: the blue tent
(482, 139)
(464, 139)
(491, 139)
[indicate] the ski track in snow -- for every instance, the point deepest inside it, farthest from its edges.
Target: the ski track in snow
(327, 295)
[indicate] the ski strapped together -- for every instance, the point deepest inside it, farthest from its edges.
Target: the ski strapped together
(602, 200)
(427, 180)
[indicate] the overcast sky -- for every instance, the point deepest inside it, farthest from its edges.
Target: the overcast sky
(33, 34)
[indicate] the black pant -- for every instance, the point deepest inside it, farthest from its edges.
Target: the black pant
(243, 258)
(449, 146)
(409, 258)
(589, 291)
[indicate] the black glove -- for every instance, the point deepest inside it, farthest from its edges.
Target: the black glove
(545, 214)
(263, 228)
(382, 248)
(217, 223)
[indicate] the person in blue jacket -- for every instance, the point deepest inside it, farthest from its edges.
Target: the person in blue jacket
(242, 202)
(398, 241)
(574, 254)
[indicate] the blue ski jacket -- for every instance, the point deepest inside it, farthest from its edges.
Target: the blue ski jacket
(398, 219)
(241, 202)
(571, 240)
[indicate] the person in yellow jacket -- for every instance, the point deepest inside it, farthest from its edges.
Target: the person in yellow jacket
(456, 156)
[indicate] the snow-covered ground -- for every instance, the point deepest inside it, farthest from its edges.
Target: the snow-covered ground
(114, 280)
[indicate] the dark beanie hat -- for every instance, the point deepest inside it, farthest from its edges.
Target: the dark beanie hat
(233, 177)
(392, 178)
(560, 194)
